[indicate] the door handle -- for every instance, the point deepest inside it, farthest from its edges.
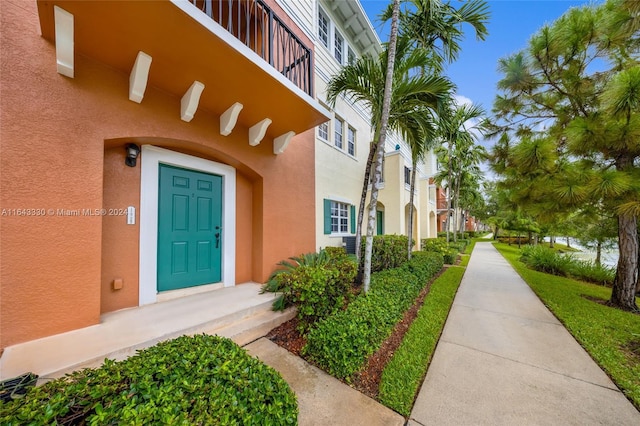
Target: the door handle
(217, 239)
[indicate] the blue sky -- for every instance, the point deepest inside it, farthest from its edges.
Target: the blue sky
(511, 25)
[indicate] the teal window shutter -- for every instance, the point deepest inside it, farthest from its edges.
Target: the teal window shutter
(327, 216)
(352, 218)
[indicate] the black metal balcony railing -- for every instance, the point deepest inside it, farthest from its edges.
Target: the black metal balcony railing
(259, 28)
(442, 204)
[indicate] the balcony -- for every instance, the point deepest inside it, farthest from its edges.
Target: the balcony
(254, 24)
(239, 50)
(442, 205)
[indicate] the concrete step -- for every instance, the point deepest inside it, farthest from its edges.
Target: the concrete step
(238, 312)
(250, 329)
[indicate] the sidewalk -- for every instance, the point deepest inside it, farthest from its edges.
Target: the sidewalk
(323, 400)
(503, 358)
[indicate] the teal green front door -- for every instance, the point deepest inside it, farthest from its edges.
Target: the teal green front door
(189, 228)
(379, 222)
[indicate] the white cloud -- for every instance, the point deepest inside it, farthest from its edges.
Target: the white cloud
(462, 100)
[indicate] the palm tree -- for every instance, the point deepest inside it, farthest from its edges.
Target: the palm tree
(384, 122)
(412, 96)
(436, 28)
(459, 127)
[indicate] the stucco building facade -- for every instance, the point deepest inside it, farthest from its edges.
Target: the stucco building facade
(224, 118)
(155, 149)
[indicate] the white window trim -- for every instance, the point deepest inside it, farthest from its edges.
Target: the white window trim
(339, 232)
(354, 140)
(342, 135)
(151, 159)
(332, 30)
(328, 131)
(337, 34)
(350, 50)
(329, 27)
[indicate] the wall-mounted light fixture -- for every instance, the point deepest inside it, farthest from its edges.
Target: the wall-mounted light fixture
(133, 151)
(398, 147)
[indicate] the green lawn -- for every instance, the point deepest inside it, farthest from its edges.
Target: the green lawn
(403, 375)
(611, 336)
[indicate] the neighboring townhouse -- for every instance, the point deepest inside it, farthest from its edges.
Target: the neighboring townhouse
(341, 32)
(150, 149)
(463, 216)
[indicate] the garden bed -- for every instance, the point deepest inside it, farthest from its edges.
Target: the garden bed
(368, 379)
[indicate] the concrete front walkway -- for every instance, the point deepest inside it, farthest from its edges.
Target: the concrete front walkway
(322, 399)
(503, 358)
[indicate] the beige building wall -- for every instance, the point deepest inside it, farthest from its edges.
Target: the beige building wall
(339, 174)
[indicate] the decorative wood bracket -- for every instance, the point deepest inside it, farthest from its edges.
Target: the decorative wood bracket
(190, 100)
(257, 131)
(229, 118)
(281, 142)
(64, 41)
(139, 76)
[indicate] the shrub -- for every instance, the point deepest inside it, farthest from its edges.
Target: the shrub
(317, 283)
(336, 253)
(389, 251)
(460, 245)
(522, 240)
(189, 380)
(589, 271)
(342, 342)
(440, 245)
(546, 260)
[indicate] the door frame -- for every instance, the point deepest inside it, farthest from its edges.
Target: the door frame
(151, 159)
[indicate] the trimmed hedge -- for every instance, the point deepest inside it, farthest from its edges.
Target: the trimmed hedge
(189, 380)
(342, 343)
(440, 245)
(389, 251)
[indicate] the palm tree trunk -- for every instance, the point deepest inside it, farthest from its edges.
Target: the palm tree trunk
(384, 122)
(363, 200)
(456, 208)
(449, 184)
(412, 188)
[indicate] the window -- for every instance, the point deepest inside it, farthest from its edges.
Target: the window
(323, 28)
(338, 45)
(323, 131)
(338, 132)
(407, 175)
(339, 217)
(351, 141)
(351, 56)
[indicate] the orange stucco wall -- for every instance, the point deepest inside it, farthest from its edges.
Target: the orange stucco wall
(120, 242)
(62, 149)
